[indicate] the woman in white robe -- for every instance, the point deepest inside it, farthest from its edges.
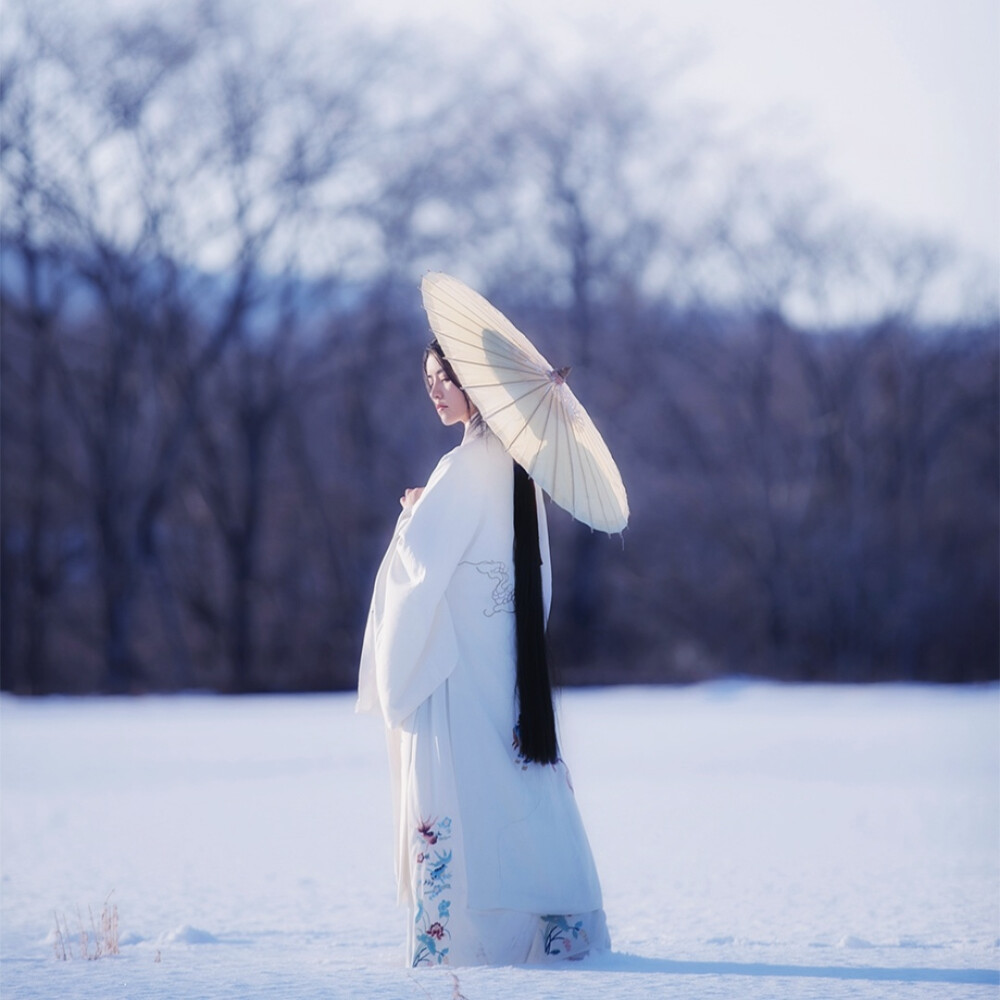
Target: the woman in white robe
(491, 854)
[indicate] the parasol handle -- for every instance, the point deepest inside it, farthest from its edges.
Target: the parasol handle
(558, 375)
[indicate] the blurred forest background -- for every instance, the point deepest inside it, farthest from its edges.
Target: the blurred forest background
(214, 226)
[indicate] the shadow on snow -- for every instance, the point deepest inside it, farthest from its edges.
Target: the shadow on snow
(622, 962)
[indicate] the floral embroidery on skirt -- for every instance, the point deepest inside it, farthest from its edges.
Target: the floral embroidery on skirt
(432, 867)
(563, 938)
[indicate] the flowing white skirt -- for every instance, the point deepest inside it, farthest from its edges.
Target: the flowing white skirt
(443, 928)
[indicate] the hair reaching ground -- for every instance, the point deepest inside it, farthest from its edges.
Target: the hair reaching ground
(537, 723)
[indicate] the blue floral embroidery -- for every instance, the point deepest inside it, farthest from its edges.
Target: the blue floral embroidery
(433, 864)
(560, 935)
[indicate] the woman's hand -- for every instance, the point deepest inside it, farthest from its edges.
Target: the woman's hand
(410, 497)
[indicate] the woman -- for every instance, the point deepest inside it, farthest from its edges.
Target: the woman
(491, 854)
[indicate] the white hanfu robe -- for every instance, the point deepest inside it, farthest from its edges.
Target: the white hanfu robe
(491, 854)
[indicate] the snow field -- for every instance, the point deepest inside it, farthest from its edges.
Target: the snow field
(753, 841)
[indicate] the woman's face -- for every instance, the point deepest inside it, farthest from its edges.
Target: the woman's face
(448, 399)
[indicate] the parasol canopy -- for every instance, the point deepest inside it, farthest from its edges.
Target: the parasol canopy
(526, 403)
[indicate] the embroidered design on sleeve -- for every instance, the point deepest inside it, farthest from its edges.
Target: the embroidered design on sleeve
(503, 590)
(433, 877)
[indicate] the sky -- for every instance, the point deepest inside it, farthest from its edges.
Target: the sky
(897, 102)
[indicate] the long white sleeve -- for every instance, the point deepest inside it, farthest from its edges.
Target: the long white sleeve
(410, 645)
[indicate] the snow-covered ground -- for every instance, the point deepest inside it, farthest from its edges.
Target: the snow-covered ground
(753, 840)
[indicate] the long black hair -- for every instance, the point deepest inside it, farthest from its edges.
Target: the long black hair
(536, 723)
(536, 728)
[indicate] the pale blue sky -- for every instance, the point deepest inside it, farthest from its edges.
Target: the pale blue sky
(897, 101)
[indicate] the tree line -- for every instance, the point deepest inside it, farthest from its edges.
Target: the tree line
(212, 237)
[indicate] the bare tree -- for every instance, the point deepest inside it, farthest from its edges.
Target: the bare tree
(185, 140)
(213, 232)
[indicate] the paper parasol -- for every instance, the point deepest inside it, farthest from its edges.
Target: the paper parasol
(527, 404)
